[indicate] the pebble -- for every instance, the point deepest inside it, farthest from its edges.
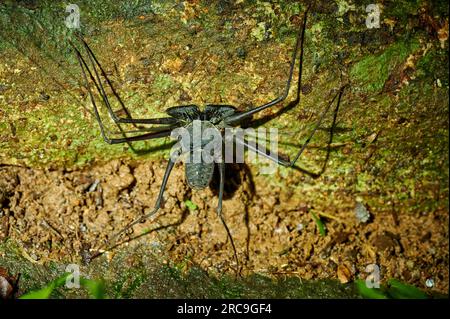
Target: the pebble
(94, 185)
(361, 213)
(241, 53)
(278, 230)
(44, 96)
(145, 61)
(429, 283)
(5, 288)
(83, 228)
(344, 273)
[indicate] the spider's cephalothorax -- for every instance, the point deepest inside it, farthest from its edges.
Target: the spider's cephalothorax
(198, 171)
(216, 118)
(212, 113)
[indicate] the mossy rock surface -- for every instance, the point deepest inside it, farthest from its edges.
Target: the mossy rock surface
(387, 150)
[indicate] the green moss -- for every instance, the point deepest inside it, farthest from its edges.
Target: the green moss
(434, 65)
(372, 71)
(147, 277)
(407, 165)
(163, 82)
(403, 9)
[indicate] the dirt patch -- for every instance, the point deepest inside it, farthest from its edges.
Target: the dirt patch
(68, 215)
(382, 184)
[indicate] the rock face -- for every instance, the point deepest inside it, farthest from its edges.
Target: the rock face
(64, 192)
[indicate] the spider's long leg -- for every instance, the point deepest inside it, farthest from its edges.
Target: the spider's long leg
(146, 136)
(93, 58)
(139, 129)
(256, 147)
(219, 210)
(338, 95)
(128, 119)
(157, 206)
(98, 83)
(236, 118)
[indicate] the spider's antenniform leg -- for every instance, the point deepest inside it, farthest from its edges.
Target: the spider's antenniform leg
(147, 136)
(157, 206)
(256, 148)
(219, 209)
(96, 64)
(236, 118)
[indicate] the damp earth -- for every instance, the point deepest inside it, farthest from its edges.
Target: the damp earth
(376, 177)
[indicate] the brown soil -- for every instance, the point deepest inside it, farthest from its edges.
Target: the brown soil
(389, 149)
(69, 215)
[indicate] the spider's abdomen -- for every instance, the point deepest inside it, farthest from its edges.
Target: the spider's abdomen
(201, 143)
(199, 175)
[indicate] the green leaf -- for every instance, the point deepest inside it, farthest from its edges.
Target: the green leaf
(399, 290)
(96, 288)
(394, 290)
(45, 292)
(61, 281)
(370, 293)
(320, 225)
(190, 205)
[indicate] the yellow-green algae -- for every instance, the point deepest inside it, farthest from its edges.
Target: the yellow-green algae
(391, 145)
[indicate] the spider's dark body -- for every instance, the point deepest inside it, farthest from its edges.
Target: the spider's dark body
(199, 174)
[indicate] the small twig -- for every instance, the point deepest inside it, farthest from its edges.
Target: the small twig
(54, 229)
(284, 272)
(330, 217)
(28, 257)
